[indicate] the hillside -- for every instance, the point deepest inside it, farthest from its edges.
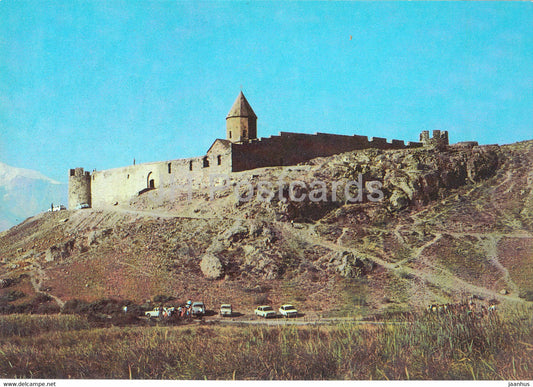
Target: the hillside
(452, 224)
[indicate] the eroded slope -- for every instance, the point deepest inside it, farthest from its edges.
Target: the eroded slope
(451, 224)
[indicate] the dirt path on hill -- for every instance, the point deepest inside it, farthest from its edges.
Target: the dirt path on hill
(279, 321)
(37, 276)
(163, 214)
(441, 277)
(420, 250)
(490, 244)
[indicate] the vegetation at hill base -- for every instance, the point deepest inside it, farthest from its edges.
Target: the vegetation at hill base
(454, 224)
(426, 346)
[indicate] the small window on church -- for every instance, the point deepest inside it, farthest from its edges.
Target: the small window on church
(169, 168)
(190, 165)
(206, 162)
(230, 134)
(219, 159)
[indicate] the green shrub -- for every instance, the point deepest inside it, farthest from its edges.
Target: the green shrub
(40, 304)
(12, 295)
(75, 306)
(6, 308)
(162, 298)
(261, 299)
(527, 295)
(47, 308)
(106, 306)
(41, 298)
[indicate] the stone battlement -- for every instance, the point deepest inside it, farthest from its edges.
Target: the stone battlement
(280, 150)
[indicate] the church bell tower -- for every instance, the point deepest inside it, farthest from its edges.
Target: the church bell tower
(241, 121)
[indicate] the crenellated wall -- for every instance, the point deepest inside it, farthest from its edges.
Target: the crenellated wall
(119, 185)
(293, 148)
(439, 138)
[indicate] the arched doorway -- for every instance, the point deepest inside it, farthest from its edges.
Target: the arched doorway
(150, 182)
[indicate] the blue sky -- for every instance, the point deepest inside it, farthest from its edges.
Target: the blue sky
(98, 83)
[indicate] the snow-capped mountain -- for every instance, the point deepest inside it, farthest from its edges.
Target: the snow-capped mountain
(24, 193)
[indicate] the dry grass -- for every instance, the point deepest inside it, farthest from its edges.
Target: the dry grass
(430, 347)
(22, 325)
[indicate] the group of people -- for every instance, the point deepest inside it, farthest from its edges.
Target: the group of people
(181, 312)
(468, 308)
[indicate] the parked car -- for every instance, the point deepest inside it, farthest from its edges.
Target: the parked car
(82, 205)
(197, 309)
(288, 310)
(57, 208)
(226, 310)
(167, 311)
(265, 311)
(61, 207)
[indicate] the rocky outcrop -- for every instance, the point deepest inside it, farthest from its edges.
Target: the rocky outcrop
(235, 233)
(211, 266)
(348, 265)
(407, 178)
(317, 250)
(60, 252)
(261, 265)
(6, 282)
(96, 236)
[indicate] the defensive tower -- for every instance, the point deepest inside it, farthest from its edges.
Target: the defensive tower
(439, 139)
(79, 188)
(241, 121)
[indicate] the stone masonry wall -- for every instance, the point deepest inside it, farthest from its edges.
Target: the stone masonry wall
(294, 148)
(79, 188)
(119, 185)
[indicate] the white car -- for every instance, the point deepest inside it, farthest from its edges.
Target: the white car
(57, 208)
(288, 310)
(198, 309)
(226, 310)
(166, 312)
(265, 311)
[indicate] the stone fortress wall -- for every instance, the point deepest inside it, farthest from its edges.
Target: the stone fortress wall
(119, 185)
(239, 152)
(293, 148)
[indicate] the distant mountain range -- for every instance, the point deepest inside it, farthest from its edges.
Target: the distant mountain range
(24, 193)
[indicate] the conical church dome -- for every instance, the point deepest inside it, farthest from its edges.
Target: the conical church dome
(241, 108)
